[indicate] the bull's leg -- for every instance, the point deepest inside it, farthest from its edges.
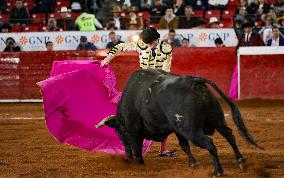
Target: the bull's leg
(127, 146)
(227, 133)
(137, 150)
(201, 140)
(183, 143)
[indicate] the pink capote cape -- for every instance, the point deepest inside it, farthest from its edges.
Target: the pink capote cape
(76, 97)
(234, 85)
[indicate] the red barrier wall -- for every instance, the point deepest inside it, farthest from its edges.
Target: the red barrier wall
(216, 64)
(262, 77)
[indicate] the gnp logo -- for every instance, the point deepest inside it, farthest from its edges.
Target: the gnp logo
(38, 40)
(59, 39)
(23, 40)
(203, 37)
(95, 38)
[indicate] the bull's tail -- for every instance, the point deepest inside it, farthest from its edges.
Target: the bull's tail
(237, 118)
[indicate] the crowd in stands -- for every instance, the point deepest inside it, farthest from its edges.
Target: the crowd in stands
(256, 22)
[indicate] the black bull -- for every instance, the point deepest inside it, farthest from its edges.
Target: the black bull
(155, 104)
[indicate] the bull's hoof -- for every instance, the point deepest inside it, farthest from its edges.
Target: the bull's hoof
(241, 163)
(194, 165)
(217, 174)
(139, 162)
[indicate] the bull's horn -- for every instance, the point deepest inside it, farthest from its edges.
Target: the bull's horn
(102, 123)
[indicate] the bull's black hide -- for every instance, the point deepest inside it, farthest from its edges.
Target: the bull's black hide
(155, 104)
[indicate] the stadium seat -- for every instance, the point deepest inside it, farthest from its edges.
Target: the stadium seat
(4, 18)
(213, 13)
(29, 5)
(227, 14)
(74, 15)
(42, 29)
(16, 28)
(198, 13)
(54, 15)
(38, 18)
(60, 4)
(233, 3)
(31, 28)
(226, 23)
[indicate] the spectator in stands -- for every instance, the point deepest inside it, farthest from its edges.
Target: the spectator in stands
(218, 4)
(280, 24)
(185, 43)
(6, 28)
(157, 11)
(111, 25)
(146, 5)
(11, 45)
(238, 27)
(219, 42)
(178, 8)
(113, 40)
(241, 11)
(133, 25)
(2, 5)
(189, 20)
(214, 22)
(263, 7)
(78, 6)
(93, 6)
(87, 22)
(44, 6)
(85, 45)
(133, 19)
(252, 8)
(129, 3)
(19, 14)
(277, 39)
(249, 38)
(266, 29)
(65, 23)
(200, 5)
(49, 46)
(170, 20)
(201, 23)
(120, 22)
(172, 40)
(279, 7)
(52, 25)
(168, 3)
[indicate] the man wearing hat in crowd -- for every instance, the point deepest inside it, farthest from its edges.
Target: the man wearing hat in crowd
(280, 21)
(250, 38)
(85, 45)
(119, 21)
(152, 55)
(134, 19)
(214, 22)
(65, 23)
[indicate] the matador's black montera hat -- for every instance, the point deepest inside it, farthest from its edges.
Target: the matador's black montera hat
(149, 35)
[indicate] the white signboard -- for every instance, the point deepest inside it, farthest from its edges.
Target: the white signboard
(35, 41)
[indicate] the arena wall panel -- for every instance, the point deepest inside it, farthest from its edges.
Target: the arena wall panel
(19, 72)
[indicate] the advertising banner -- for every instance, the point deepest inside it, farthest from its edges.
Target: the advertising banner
(35, 41)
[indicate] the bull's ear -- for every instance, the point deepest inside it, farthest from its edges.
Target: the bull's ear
(110, 121)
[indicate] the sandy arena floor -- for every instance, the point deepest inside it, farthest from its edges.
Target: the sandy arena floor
(28, 150)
